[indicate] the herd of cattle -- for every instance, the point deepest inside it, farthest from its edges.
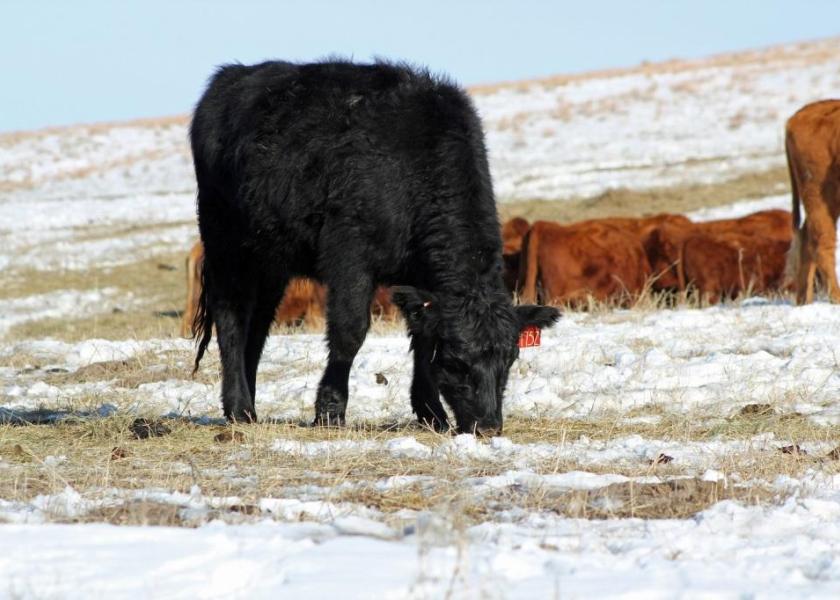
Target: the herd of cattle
(608, 260)
(619, 259)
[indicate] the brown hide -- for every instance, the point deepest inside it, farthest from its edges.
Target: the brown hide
(656, 234)
(812, 145)
(570, 263)
(665, 246)
(722, 264)
(513, 231)
(304, 301)
(193, 263)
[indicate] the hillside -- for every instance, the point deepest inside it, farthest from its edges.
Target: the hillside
(659, 125)
(565, 137)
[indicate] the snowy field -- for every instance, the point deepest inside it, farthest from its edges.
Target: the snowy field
(681, 453)
(662, 125)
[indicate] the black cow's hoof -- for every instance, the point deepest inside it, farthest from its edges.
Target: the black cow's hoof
(329, 407)
(242, 416)
(436, 425)
(329, 420)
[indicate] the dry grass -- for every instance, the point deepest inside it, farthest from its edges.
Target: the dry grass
(160, 276)
(639, 203)
(674, 499)
(132, 372)
(98, 454)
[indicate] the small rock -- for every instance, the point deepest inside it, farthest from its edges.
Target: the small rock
(118, 453)
(792, 449)
(229, 436)
(166, 267)
(381, 379)
(146, 428)
(661, 459)
(757, 410)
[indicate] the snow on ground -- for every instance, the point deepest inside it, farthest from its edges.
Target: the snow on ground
(713, 361)
(54, 304)
(695, 122)
(740, 209)
(727, 551)
(102, 196)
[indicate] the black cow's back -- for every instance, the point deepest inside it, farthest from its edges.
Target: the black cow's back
(376, 152)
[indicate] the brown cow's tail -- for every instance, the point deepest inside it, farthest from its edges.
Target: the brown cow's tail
(682, 284)
(795, 209)
(203, 321)
(529, 268)
(792, 258)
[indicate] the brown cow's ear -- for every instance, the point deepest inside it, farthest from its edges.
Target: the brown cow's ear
(538, 316)
(419, 308)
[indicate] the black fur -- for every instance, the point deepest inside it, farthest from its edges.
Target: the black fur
(355, 175)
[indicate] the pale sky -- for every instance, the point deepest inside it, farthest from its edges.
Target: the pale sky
(71, 61)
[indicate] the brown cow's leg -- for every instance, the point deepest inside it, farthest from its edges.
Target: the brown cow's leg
(193, 264)
(189, 310)
(805, 268)
(821, 241)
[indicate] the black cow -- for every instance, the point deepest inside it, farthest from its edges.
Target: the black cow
(354, 175)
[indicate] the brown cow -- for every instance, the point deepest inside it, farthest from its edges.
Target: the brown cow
(194, 261)
(656, 234)
(724, 264)
(382, 307)
(513, 231)
(303, 302)
(812, 146)
(774, 224)
(661, 235)
(665, 245)
(574, 262)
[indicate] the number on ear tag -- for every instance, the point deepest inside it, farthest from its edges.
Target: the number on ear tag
(529, 337)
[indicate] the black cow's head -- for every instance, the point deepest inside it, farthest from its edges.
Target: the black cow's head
(474, 342)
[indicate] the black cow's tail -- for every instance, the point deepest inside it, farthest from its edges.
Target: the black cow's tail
(203, 321)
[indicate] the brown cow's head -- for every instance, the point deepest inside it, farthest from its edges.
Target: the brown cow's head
(513, 232)
(473, 342)
(662, 247)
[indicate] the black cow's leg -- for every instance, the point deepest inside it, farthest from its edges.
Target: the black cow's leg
(348, 320)
(261, 319)
(232, 322)
(230, 295)
(425, 397)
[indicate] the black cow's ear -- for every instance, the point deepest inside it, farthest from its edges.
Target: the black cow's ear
(419, 308)
(539, 316)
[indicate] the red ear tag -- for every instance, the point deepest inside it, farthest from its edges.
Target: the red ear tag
(529, 337)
